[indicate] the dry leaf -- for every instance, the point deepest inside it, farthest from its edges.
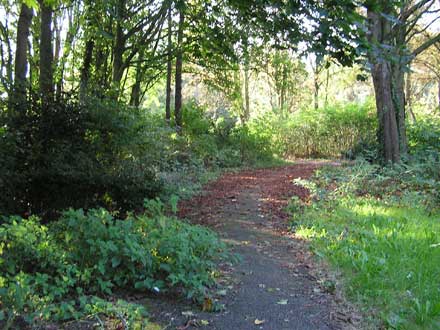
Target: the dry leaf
(258, 322)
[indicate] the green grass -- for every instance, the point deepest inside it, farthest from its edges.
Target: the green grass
(388, 254)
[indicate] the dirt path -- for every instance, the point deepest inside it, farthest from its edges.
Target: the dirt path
(275, 286)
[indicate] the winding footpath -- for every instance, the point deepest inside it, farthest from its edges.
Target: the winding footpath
(276, 285)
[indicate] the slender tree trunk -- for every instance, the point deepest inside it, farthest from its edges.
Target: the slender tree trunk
(408, 96)
(327, 78)
(316, 94)
(178, 79)
(135, 97)
(246, 93)
(398, 87)
(46, 56)
(85, 70)
(118, 50)
(21, 62)
(169, 67)
(438, 94)
(316, 85)
(57, 59)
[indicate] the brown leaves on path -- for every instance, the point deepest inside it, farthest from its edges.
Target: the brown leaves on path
(274, 184)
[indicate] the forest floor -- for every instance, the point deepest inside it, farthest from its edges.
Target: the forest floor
(277, 284)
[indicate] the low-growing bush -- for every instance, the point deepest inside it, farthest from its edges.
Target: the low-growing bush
(57, 271)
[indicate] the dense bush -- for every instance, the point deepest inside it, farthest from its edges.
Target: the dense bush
(76, 156)
(53, 271)
(335, 131)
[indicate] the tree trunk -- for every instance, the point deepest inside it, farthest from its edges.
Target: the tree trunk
(21, 62)
(327, 78)
(316, 86)
(246, 109)
(178, 79)
(46, 56)
(398, 87)
(438, 94)
(408, 96)
(169, 68)
(85, 70)
(388, 131)
(118, 50)
(57, 59)
(135, 97)
(383, 81)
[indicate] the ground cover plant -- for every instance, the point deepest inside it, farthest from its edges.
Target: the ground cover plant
(69, 269)
(379, 228)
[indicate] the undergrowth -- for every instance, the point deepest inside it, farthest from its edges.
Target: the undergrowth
(69, 269)
(380, 228)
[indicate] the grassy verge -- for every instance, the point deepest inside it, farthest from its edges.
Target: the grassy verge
(381, 231)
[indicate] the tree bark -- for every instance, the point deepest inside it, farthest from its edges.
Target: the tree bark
(21, 61)
(118, 49)
(388, 131)
(246, 109)
(178, 78)
(169, 68)
(57, 59)
(85, 70)
(383, 81)
(46, 56)
(135, 97)
(438, 95)
(408, 96)
(316, 85)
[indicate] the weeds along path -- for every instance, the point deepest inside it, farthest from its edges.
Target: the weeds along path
(275, 286)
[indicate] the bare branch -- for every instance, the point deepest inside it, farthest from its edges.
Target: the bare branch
(426, 45)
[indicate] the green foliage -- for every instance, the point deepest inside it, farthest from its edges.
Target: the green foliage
(77, 156)
(379, 227)
(335, 131)
(58, 271)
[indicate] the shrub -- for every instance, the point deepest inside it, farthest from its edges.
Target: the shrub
(53, 271)
(341, 130)
(77, 156)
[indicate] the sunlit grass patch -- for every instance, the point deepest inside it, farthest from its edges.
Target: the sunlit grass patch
(388, 255)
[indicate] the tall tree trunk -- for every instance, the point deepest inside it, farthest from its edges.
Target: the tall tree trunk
(178, 78)
(57, 59)
(169, 67)
(398, 85)
(118, 49)
(438, 94)
(21, 61)
(316, 85)
(398, 89)
(327, 78)
(388, 131)
(246, 92)
(46, 56)
(85, 70)
(408, 96)
(135, 97)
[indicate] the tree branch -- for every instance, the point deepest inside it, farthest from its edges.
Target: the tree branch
(426, 45)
